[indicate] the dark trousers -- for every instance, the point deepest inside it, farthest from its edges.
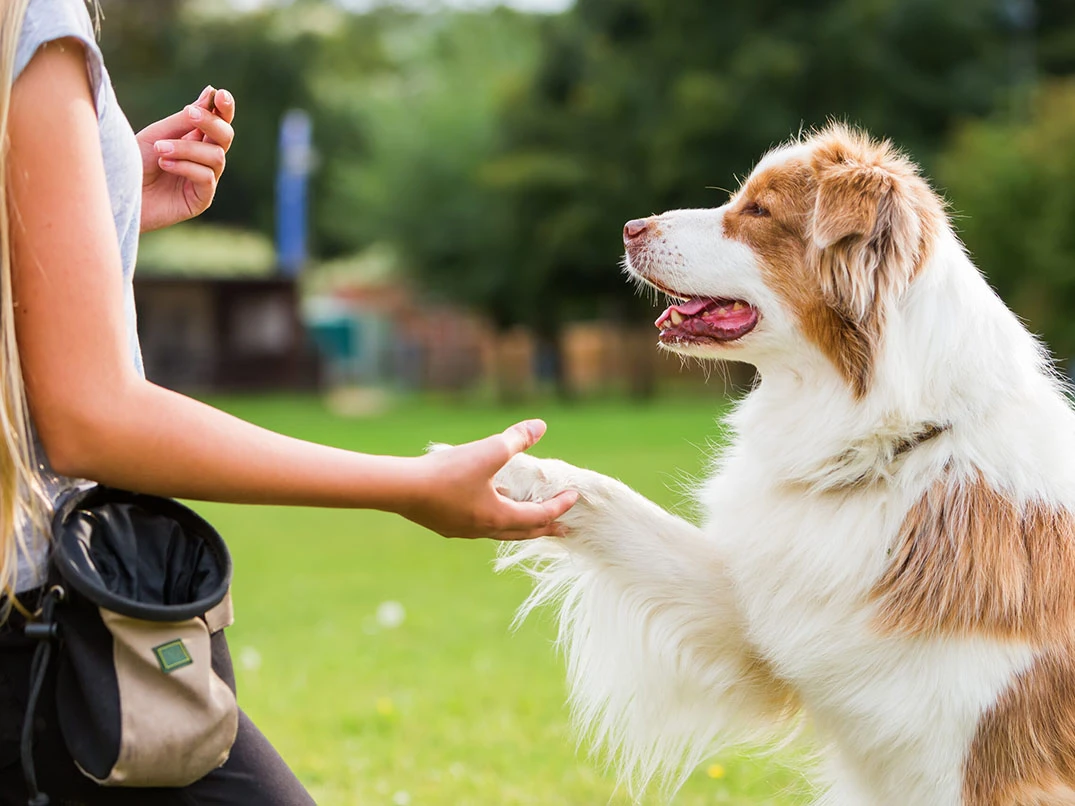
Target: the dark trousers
(253, 774)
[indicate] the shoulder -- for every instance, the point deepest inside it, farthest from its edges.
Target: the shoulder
(50, 20)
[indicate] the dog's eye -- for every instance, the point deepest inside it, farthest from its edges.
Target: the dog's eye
(754, 209)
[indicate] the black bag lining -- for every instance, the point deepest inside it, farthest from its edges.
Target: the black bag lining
(140, 555)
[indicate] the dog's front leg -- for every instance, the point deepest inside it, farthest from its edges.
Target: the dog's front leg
(659, 664)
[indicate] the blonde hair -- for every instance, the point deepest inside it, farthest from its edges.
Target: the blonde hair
(22, 499)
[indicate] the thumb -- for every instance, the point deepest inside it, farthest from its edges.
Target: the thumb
(499, 448)
(523, 436)
(172, 127)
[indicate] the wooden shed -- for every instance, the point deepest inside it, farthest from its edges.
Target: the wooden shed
(224, 333)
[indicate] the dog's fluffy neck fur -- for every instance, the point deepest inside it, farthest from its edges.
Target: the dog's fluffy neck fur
(927, 374)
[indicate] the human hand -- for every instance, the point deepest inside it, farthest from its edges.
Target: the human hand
(183, 156)
(455, 495)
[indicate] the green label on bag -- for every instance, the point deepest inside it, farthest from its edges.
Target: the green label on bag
(173, 655)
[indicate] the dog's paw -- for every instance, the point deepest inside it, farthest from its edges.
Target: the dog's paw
(528, 478)
(523, 478)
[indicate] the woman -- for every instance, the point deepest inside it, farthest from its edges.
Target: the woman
(80, 186)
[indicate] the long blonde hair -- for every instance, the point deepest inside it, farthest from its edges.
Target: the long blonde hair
(22, 499)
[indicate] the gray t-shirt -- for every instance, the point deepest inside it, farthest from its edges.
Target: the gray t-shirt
(48, 20)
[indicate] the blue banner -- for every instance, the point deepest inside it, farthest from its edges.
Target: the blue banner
(295, 163)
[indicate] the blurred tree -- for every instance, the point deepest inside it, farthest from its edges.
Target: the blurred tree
(1052, 40)
(415, 177)
(1012, 186)
(640, 105)
(426, 121)
(160, 56)
(500, 153)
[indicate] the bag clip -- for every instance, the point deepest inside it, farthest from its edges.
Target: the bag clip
(44, 630)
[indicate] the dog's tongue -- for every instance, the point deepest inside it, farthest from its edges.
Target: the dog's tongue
(688, 308)
(691, 307)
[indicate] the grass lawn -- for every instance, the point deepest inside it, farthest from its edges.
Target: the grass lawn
(448, 707)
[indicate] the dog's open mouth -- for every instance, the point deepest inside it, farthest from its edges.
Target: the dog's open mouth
(702, 320)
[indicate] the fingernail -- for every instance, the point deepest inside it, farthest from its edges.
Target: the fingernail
(164, 147)
(536, 428)
(167, 163)
(572, 496)
(208, 89)
(225, 97)
(194, 112)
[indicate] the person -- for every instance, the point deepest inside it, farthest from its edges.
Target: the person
(80, 186)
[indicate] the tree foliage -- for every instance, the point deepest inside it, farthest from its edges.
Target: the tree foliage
(499, 153)
(1012, 185)
(638, 106)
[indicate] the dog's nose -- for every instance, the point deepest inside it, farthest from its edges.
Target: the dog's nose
(635, 229)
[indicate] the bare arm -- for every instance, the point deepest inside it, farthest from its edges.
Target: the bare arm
(98, 419)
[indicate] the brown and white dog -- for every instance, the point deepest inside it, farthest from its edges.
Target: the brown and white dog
(888, 542)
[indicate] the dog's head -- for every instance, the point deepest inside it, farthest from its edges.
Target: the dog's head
(823, 237)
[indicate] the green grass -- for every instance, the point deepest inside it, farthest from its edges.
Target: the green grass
(450, 707)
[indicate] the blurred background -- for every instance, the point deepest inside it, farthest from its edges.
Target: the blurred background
(429, 197)
(417, 238)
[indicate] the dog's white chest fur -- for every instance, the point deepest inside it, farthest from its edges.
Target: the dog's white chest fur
(900, 714)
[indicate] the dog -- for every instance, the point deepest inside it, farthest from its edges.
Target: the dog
(887, 547)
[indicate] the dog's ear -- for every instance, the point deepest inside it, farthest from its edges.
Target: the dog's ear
(866, 231)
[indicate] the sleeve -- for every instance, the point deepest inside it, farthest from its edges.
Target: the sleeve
(49, 20)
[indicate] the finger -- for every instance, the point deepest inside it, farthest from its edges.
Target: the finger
(203, 153)
(179, 124)
(200, 176)
(522, 436)
(528, 516)
(495, 451)
(214, 127)
(171, 127)
(224, 105)
(553, 530)
(205, 96)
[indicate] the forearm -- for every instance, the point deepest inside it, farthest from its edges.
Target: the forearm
(149, 439)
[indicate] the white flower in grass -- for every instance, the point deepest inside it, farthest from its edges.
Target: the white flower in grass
(401, 798)
(390, 614)
(250, 659)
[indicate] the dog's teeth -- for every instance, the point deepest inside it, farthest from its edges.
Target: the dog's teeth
(677, 317)
(738, 306)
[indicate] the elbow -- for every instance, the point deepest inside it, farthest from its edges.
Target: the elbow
(67, 448)
(72, 437)
(66, 462)
(82, 409)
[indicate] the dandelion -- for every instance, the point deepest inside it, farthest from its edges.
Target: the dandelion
(715, 771)
(250, 659)
(390, 615)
